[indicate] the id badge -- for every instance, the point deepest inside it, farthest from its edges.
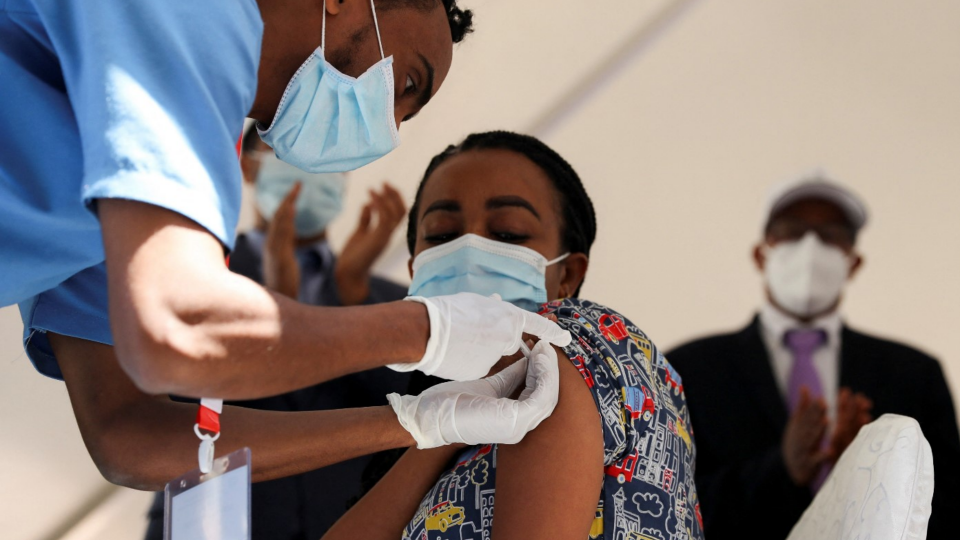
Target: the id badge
(211, 506)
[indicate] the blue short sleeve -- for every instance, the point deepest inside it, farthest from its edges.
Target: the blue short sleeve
(160, 91)
(75, 308)
(112, 99)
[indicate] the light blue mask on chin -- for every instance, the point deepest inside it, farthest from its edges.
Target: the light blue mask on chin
(475, 264)
(319, 202)
(331, 122)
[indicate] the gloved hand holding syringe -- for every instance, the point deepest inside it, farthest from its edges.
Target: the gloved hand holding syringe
(482, 411)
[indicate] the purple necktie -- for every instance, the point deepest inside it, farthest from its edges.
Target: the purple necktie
(803, 344)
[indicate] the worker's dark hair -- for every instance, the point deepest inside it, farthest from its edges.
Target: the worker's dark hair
(579, 226)
(461, 20)
(250, 137)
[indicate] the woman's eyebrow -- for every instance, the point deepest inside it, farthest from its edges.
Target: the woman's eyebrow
(507, 201)
(443, 205)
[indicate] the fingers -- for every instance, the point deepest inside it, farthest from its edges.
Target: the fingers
(388, 206)
(366, 217)
(862, 403)
(394, 208)
(804, 403)
(508, 380)
(289, 203)
(846, 411)
(281, 229)
(819, 458)
(542, 392)
(864, 406)
(545, 329)
(810, 419)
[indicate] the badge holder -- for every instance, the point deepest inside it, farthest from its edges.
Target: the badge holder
(211, 502)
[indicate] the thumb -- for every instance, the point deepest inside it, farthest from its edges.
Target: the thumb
(366, 216)
(508, 380)
(291, 196)
(545, 329)
(543, 382)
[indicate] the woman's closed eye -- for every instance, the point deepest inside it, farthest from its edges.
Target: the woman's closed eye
(509, 237)
(441, 238)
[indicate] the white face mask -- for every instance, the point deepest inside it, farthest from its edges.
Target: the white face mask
(806, 276)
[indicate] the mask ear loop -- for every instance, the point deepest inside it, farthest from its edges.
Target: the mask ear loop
(376, 25)
(323, 31)
(558, 259)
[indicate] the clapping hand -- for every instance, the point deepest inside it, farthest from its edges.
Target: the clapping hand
(281, 272)
(802, 446)
(378, 219)
(802, 438)
(853, 412)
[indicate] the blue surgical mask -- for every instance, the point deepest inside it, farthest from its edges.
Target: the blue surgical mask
(319, 202)
(330, 122)
(475, 264)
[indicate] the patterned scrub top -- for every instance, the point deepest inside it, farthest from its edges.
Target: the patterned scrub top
(648, 491)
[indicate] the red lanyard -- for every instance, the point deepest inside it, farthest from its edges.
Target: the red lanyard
(208, 413)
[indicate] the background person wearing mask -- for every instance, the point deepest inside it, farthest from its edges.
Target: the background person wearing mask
(289, 253)
(775, 404)
(122, 177)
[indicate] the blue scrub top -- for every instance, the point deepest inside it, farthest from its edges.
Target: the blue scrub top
(112, 99)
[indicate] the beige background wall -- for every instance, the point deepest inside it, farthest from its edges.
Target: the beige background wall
(678, 116)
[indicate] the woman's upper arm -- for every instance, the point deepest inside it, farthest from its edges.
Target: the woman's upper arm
(549, 484)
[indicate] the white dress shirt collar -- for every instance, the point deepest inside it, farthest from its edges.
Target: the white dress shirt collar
(776, 323)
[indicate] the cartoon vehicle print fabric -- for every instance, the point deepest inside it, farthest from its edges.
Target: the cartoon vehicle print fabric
(648, 491)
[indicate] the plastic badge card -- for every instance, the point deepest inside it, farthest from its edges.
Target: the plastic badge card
(212, 506)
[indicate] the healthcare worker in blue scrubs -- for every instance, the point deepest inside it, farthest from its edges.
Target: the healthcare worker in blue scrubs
(118, 175)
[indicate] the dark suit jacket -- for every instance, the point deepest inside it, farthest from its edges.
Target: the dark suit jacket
(738, 417)
(306, 505)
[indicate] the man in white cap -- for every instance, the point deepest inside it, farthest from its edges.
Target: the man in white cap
(776, 403)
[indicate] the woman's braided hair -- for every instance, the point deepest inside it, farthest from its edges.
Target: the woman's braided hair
(579, 225)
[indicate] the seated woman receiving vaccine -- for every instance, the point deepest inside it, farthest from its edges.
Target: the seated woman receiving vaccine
(502, 213)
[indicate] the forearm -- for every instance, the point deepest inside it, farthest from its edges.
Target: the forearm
(148, 444)
(184, 324)
(383, 513)
(144, 441)
(246, 347)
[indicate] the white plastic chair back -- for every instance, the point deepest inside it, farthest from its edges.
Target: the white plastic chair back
(880, 489)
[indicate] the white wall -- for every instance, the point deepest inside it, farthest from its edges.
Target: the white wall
(677, 145)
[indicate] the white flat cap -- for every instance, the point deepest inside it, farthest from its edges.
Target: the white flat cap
(816, 185)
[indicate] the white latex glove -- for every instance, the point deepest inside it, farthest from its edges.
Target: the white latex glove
(469, 333)
(479, 412)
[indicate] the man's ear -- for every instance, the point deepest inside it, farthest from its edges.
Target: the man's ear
(857, 264)
(758, 258)
(572, 272)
